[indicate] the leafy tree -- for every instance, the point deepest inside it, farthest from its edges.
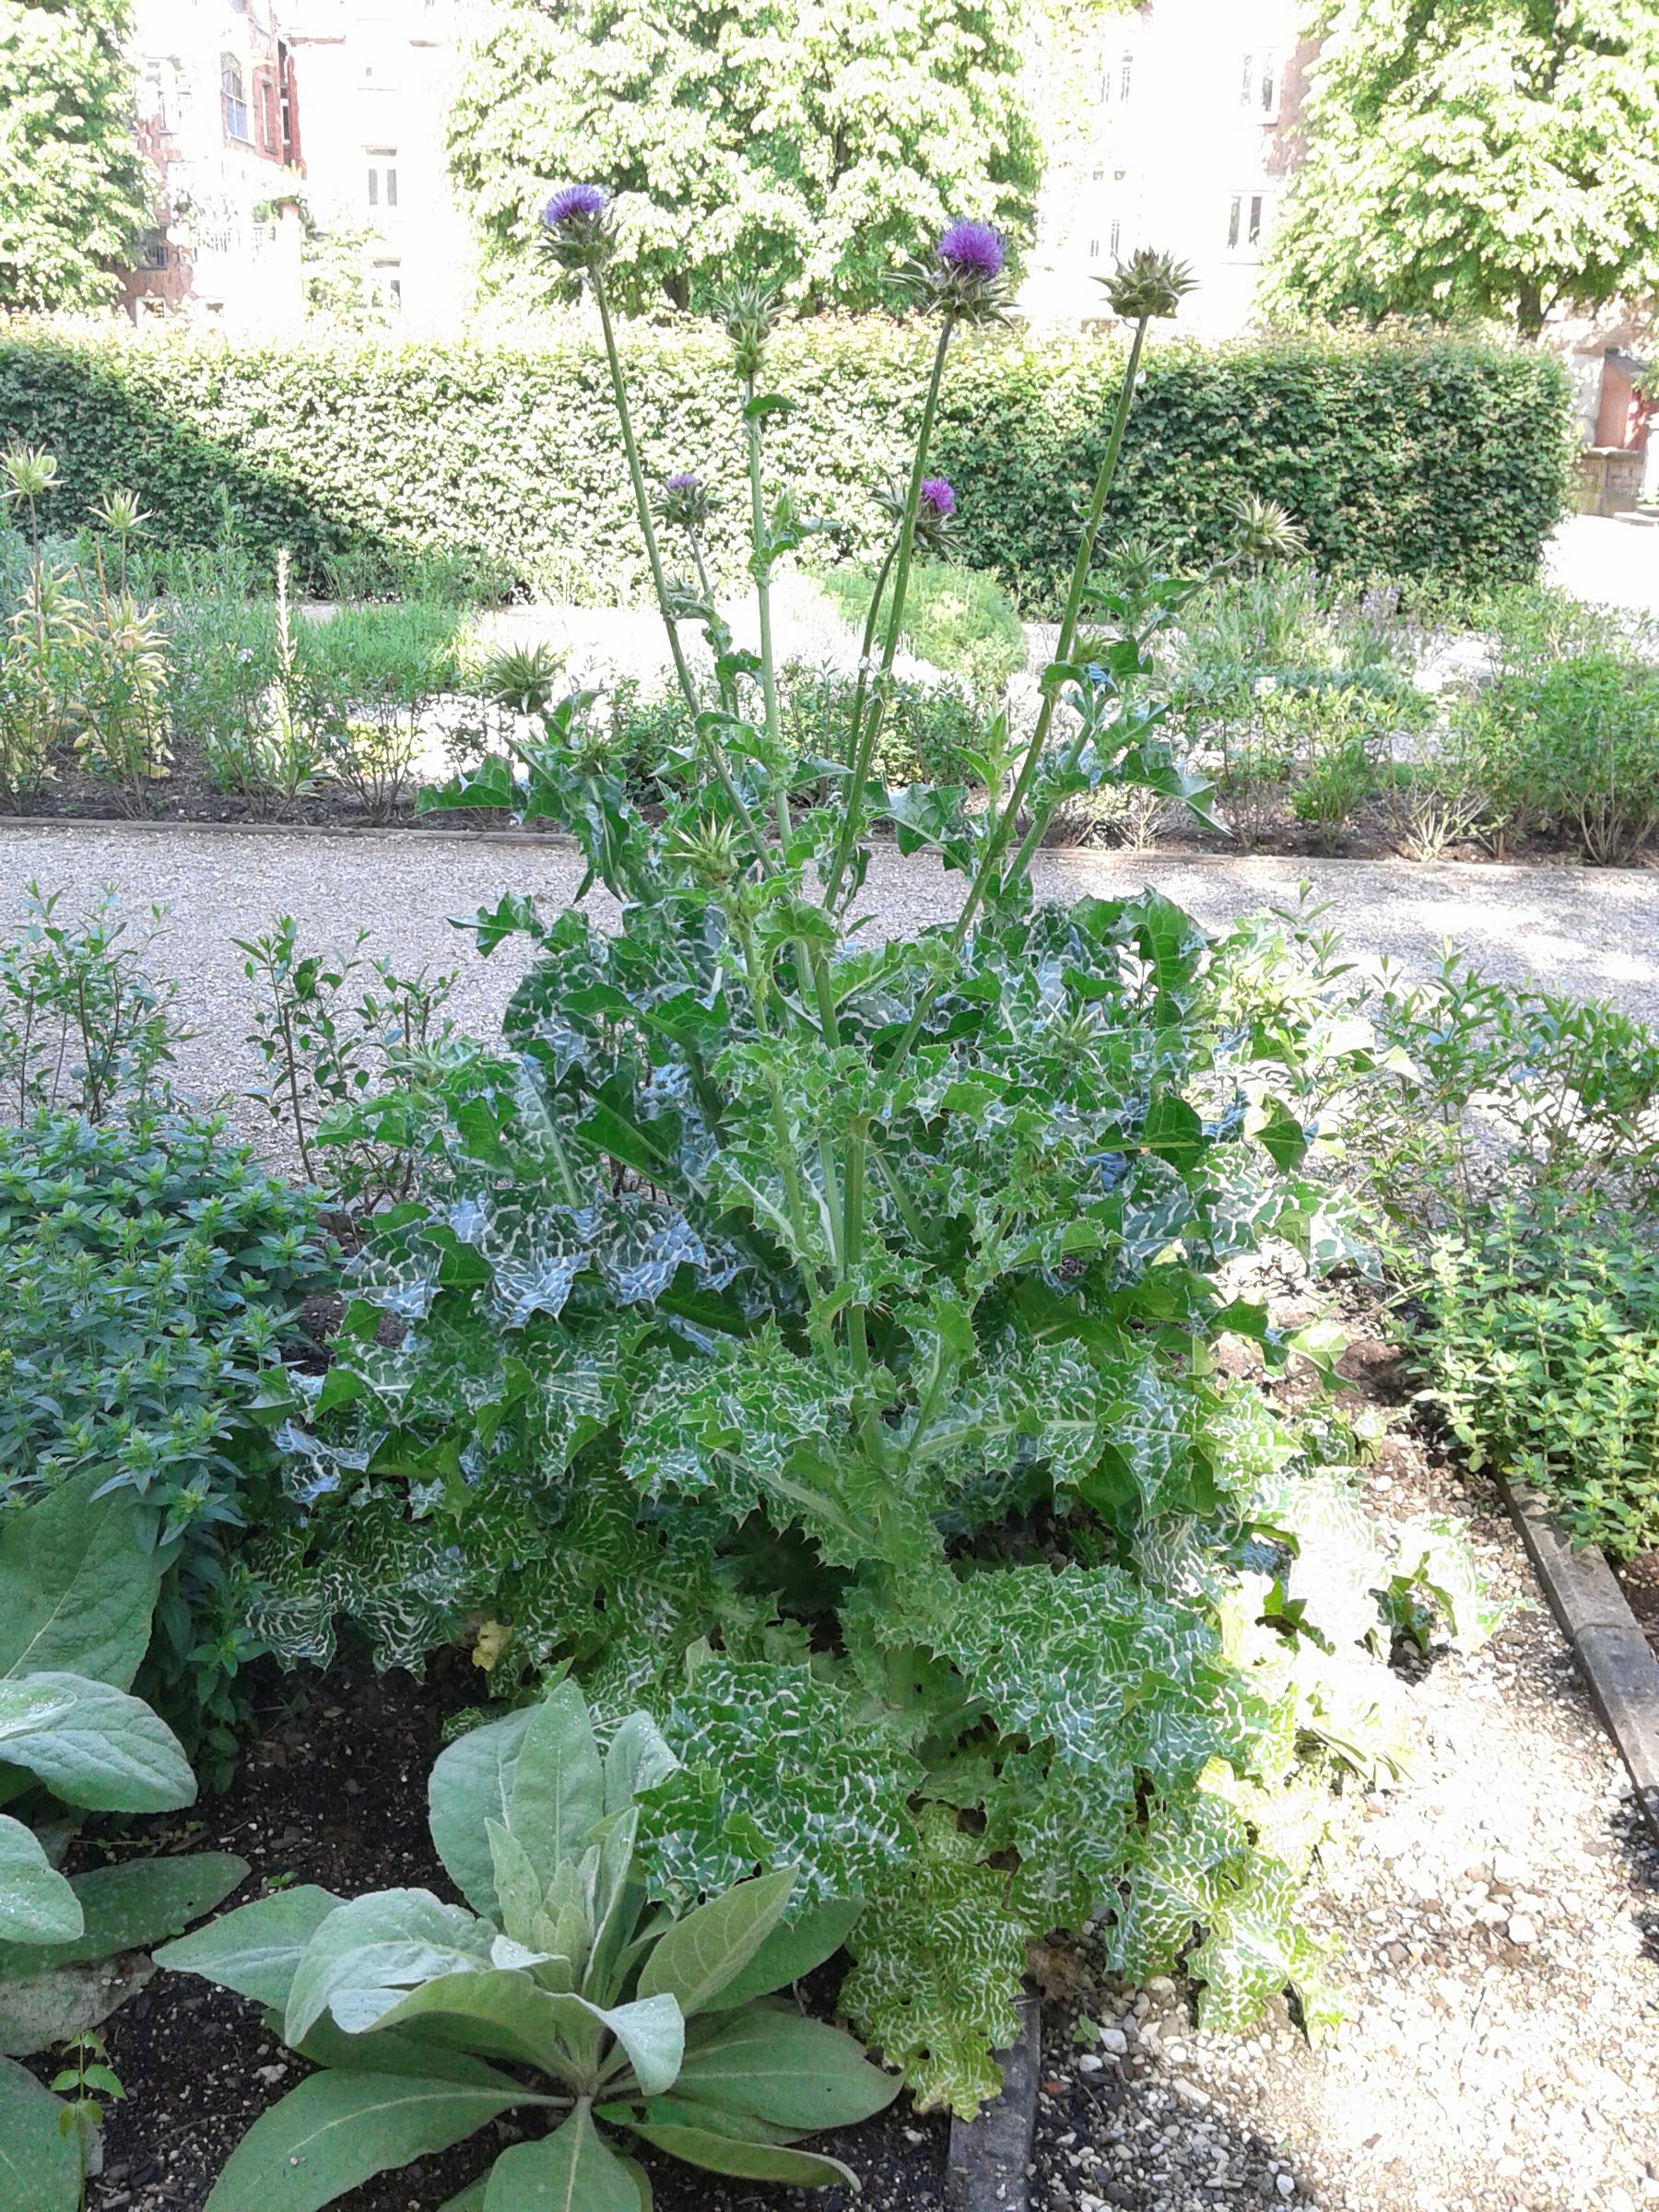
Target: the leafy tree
(825, 139)
(1489, 158)
(74, 192)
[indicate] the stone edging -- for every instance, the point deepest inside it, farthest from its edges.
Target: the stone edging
(986, 2170)
(1612, 1652)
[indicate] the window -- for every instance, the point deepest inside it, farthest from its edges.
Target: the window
(386, 284)
(152, 250)
(382, 176)
(1112, 243)
(235, 100)
(1244, 221)
(1094, 249)
(1125, 70)
(1259, 84)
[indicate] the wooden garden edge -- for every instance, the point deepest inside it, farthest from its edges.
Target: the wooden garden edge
(986, 2171)
(1603, 1634)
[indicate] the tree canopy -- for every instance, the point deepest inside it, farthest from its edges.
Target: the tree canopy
(74, 192)
(821, 141)
(1476, 158)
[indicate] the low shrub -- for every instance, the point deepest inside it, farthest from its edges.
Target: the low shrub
(1542, 1348)
(1573, 747)
(150, 1277)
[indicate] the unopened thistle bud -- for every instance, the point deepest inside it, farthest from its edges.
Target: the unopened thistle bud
(1148, 287)
(749, 313)
(710, 852)
(577, 224)
(1267, 532)
(685, 501)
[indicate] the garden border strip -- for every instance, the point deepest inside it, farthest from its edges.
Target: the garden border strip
(555, 841)
(1602, 1632)
(986, 2171)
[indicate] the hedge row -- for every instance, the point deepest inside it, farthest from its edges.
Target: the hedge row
(1445, 460)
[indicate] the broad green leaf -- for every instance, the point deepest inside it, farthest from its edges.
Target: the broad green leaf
(789, 2071)
(573, 2170)
(639, 1758)
(77, 1588)
(558, 1782)
(521, 1895)
(47, 2009)
(130, 1907)
(37, 1905)
(651, 2031)
(1173, 1131)
(92, 1745)
(514, 2019)
(256, 1950)
(365, 1954)
(471, 1785)
(752, 2161)
(337, 2129)
(40, 2167)
(790, 1952)
(470, 2199)
(702, 1953)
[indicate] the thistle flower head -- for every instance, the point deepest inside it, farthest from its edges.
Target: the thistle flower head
(1267, 530)
(576, 225)
(972, 250)
(936, 512)
(965, 275)
(685, 501)
(1148, 287)
(749, 313)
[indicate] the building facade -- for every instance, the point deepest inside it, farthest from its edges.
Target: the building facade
(376, 78)
(219, 118)
(1185, 145)
(274, 123)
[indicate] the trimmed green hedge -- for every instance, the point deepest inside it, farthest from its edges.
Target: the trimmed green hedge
(1447, 459)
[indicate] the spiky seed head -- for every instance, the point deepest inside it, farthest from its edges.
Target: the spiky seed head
(1267, 530)
(1148, 287)
(749, 313)
(27, 471)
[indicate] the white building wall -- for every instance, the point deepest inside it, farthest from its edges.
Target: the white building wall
(375, 77)
(1184, 150)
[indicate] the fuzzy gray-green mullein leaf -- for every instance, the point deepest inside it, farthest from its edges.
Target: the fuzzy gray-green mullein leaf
(366, 1952)
(92, 1745)
(37, 1905)
(714, 1942)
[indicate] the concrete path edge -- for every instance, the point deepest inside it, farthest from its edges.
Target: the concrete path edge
(1611, 1652)
(986, 2168)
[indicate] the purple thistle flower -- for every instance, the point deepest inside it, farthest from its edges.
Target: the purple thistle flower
(969, 249)
(585, 200)
(683, 479)
(939, 496)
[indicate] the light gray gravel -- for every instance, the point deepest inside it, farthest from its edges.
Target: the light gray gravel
(1586, 931)
(1580, 930)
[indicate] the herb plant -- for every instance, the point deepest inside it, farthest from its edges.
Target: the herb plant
(649, 2022)
(811, 1336)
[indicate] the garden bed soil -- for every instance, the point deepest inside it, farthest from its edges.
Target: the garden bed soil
(334, 1792)
(188, 798)
(1638, 1579)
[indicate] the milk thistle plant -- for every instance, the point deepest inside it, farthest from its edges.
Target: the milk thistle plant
(807, 1336)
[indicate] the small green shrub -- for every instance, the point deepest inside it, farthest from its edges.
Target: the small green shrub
(151, 1276)
(1542, 1345)
(1573, 747)
(956, 617)
(83, 1028)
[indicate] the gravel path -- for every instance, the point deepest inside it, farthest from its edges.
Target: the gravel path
(1498, 1918)
(1587, 931)
(1498, 1912)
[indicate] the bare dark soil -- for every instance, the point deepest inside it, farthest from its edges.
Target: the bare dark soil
(335, 1792)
